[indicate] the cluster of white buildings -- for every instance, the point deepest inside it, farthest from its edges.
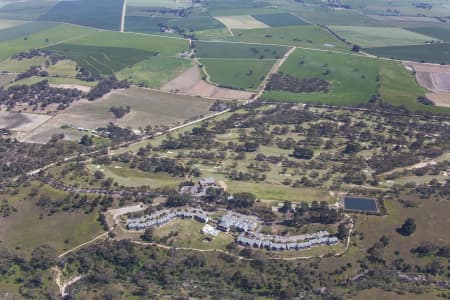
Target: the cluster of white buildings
(279, 243)
(238, 222)
(164, 217)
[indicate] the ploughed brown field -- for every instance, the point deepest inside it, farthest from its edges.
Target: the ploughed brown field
(190, 83)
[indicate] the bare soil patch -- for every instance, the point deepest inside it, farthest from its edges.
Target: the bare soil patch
(433, 77)
(440, 98)
(82, 88)
(190, 83)
(22, 122)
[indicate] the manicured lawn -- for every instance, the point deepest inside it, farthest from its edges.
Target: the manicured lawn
(155, 71)
(366, 36)
(352, 78)
(189, 235)
(238, 74)
(162, 45)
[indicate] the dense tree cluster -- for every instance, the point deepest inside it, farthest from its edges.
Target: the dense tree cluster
(39, 95)
(285, 82)
(106, 85)
(119, 111)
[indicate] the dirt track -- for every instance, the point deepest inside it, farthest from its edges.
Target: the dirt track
(190, 83)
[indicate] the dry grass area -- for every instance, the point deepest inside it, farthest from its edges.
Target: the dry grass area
(21, 122)
(147, 108)
(191, 83)
(241, 22)
(6, 79)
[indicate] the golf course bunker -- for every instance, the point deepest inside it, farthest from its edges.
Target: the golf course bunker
(360, 204)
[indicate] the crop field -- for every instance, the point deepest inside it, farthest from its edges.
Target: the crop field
(436, 32)
(24, 30)
(301, 36)
(102, 60)
(191, 83)
(44, 38)
(433, 53)
(238, 74)
(18, 66)
(151, 24)
(195, 23)
(165, 46)
(237, 50)
(103, 14)
(147, 108)
(241, 22)
(317, 15)
(352, 78)
(144, 24)
(380, 36)
(159, 3)
(154, 72)
(279, 19)
(25, 10)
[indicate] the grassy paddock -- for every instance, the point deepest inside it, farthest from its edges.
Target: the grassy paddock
(154, 72)
(239, 74)
(366, 36)
(352, 78)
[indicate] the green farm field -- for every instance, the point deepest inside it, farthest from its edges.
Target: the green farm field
(399, 87)
(54, 80)
(380, 36)
(300, 36)
(154, 72)
(102, 60)
(432, 53)
(280, 19)
(352, 77)
(442, 33)
(239, 74)
(165, 46)
(238, 50)
(42, 39)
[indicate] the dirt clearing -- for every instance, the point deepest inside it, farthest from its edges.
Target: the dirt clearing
(433, 77)
(22, 122)
(190, 83)
(440, 98)
(241, 22)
